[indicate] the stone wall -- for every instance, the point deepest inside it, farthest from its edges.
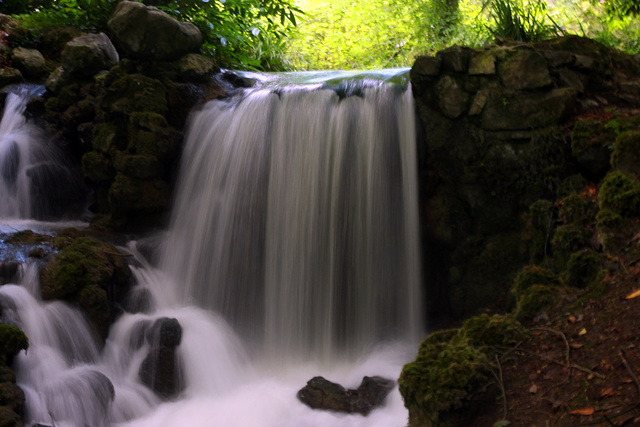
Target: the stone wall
(497, 125)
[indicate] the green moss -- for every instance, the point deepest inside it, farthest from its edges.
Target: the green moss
(533, 275)
(533, 301)
(540, 224)
(572, 184)
(97, 167)
(94, 302)
(626, 153)
(441, 380)
(136, 92)
(497, 331)
(108, 137)
(577, 208)
(28, 237)
(84, 262)
(588, 134)
(568, 239)
(12, 341)
(583, 268)
(620, 192)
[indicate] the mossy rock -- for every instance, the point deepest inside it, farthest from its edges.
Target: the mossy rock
(583, 268)
(142, 166)
(534, 300)
(94, 302)
(438, 337)
(97, 167)
(626, 154)
(9, 418)
(12, 341)
(591, 145)
(28, 237)
(150, 134)
(135, 92)
(568, 239)
(441, 380)
(615, 232)
(620, 192)
(108, 137)
(539, 228)
(577, 209)
(532, 275)
(84, 262)
(497, 331)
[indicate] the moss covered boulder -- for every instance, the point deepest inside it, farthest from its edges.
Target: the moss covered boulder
(12, 341)
(90, 273)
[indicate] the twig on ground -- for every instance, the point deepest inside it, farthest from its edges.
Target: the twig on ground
(566, 343)
(626, 365)
(498, 378)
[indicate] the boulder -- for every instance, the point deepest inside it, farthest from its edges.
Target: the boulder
(9, 76)
(524, 69)
(320, 393)
(161, 370)
(193, 67)
(145, 32)
(29, 61)
(86, 55)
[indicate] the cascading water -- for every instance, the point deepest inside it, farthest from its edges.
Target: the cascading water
(34, 181)
(296, 217)
(292, 252)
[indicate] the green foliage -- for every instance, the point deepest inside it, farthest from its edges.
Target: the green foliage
(520, 21)
(247, 34)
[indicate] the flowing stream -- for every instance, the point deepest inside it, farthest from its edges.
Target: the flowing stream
(292, 252)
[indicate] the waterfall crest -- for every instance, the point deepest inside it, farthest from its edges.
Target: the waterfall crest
(296, 219)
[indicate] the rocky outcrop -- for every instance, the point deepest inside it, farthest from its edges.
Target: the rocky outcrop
(29, 61)
(497, 138)
(147, 33)
(320, 393)
(87, 55)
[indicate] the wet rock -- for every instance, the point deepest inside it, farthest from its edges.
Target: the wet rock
(9, 271)
(320, 393)
(193, 67)
(145, 32)
(86, 55)
(161, 370)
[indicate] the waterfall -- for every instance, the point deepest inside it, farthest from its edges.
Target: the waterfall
(292, 252)
(35, 181)
(296, 218)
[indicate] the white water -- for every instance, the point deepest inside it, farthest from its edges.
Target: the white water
(293, 252)
(33, 178)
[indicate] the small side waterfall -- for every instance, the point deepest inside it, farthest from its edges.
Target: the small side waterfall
(34, 180)
(296, 218)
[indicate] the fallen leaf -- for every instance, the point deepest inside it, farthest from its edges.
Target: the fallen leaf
(583, 411)
(633, 294)
(607, 393)
(572, 319)
(533, 389)
(583, 331)
(575, 345)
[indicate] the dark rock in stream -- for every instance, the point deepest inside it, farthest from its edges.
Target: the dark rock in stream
(9, 271)
(161, 370)
(320, 393)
